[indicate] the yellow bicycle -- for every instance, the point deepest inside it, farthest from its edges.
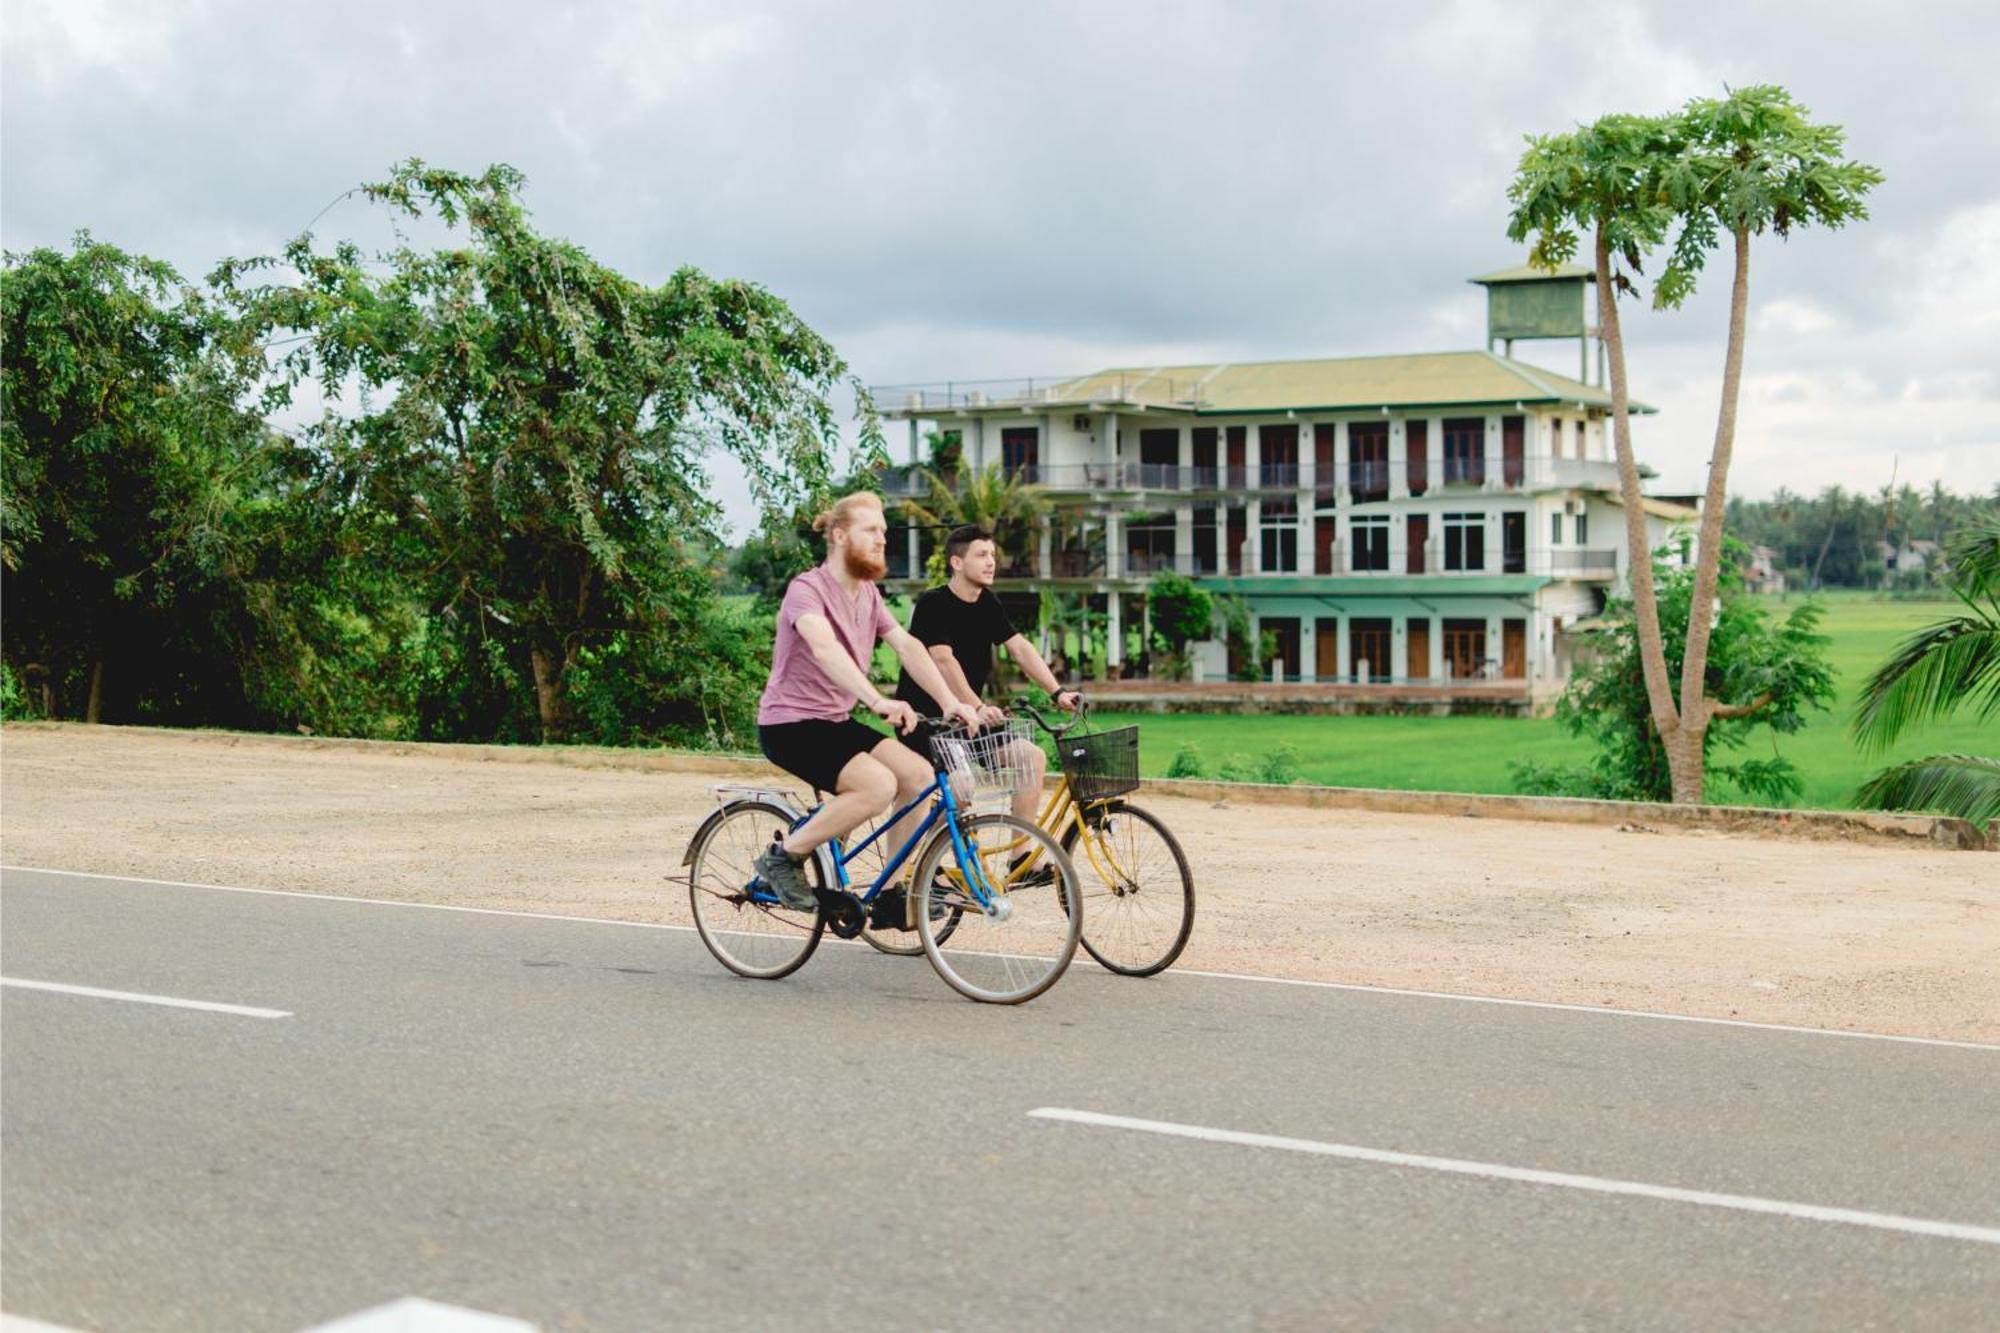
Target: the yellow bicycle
(1137, 889)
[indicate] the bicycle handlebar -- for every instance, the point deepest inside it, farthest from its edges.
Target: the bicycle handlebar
(1075, 721)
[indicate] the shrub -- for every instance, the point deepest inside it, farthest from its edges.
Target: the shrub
(1187, 762)
(1240, 768)
(1281, 766)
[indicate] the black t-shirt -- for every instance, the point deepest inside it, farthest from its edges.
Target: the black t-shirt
(972, 629)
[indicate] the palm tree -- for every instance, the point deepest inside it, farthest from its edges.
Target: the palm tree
(999, 501)
(1952, 664)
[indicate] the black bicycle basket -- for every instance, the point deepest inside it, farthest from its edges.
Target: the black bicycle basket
(1101, 765)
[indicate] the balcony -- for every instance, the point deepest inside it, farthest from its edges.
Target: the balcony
(1464, 472)
(1585, 563)
(1368, 481)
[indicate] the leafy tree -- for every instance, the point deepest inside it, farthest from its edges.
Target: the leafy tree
(1947, 666)
(1778, 669)
(127, 476)
(1740, 165)
(531, 435)
(1182, 612)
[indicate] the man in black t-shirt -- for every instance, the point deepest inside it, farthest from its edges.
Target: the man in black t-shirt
(962, 623)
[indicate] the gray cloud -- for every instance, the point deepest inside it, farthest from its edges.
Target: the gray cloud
(960, 191)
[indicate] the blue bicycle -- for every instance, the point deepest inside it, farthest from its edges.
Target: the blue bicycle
(993, 900)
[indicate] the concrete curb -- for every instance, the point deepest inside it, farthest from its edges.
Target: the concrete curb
(1812, 825)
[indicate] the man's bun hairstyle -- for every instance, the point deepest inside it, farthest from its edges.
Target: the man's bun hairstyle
(841, 512)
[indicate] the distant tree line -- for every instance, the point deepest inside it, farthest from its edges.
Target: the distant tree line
(1848, 539)
(495, 523)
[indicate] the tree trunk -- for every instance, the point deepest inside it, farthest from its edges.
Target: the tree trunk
(549, 701)
(1708, 558)
(1639, 550)
(1684, 762)
(93, 711)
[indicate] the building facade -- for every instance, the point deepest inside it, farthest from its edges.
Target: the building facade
(1389, 520)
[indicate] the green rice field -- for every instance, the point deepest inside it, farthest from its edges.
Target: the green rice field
(1472, 753)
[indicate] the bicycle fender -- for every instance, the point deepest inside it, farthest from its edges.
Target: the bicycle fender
(715, 817)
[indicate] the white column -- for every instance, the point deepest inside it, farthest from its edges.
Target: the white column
(1184, 538)
(1342, 649)
(1436, 671)
(1114, 630)
(1434, 454)
(916, 442)
(1399, 648)
(1044, 545)
(1340, 491)
(1492, 452)
(1114, 547)
(1399, 455)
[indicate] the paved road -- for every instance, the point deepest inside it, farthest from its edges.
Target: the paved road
(591, 1126)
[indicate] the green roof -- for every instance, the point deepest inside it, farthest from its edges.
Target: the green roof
(1353, 383)
(1529, 273)
(1415, 585)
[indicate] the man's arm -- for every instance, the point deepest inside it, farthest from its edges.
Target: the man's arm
(1029, 659)
(953, 673)
(833, 659)
(924, 670)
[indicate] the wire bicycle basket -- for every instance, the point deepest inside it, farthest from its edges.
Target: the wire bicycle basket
(988, 767)
(1101, 765)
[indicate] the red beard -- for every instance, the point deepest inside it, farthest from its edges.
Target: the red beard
(869, 568)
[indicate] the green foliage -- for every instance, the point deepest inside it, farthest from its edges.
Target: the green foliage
(1280, 766)
(16, 704)
(1776, 671)
(141, 510)
(1747, 163)
(1182, 612)
(1597, 180)
(1187, 762)
(529, 454)
(1827, 540)
(1949, 784)
(1240, 768)
(1000, 502)
(1948, 665)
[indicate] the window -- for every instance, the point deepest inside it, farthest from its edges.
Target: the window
(1582, 531)
(1204, 535)
(1555, 529)
(1020, 447)
(1465, 541)
(1149, 543)
(1279, 537)
(1369, 542)
(1465, 450)
(1514, 542)
(1368, 648)
(1368, 460)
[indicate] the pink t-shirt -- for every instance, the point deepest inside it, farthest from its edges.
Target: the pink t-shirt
(799, 689)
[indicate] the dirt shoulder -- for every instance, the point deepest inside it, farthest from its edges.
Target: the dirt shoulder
(1873, 938)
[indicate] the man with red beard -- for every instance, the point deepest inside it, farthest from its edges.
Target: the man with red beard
(828, 626)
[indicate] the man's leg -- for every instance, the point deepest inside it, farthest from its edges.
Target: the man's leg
(864, 789)
(1029, 756)
(913, 773)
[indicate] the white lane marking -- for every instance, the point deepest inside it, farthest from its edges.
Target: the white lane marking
(414, 1314)
(1584, 1009)
(1355, 987)
(1811, 1212)
(135, 997)
(17, 1323)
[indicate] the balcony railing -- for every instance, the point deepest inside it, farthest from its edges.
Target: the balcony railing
(1037, 393)
(1465, 471)
(1368, 480)
(1584, 563)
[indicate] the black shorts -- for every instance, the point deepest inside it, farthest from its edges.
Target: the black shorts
(815, 750)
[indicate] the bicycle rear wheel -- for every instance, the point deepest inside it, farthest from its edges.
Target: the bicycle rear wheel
(741, 923)
(1016, 945)
(1138, 892)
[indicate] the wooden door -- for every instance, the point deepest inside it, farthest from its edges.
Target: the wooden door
(1419, 635)
(1464, 648)
(1514, 649)
(1238, 526)
(1416, 443)
(1323, 535)
(1284, 630)
(1368, 644)
(1420, 535)
(1326, 648)
(1513, 431)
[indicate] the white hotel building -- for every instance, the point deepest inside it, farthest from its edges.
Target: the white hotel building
(1397, 523)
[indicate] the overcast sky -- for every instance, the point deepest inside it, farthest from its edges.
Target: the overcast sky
(959, 191)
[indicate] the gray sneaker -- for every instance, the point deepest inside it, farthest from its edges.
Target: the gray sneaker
(787, 877)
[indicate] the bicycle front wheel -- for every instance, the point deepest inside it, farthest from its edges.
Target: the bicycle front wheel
(739, 920)
(1138, 893)
(1001, 924)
